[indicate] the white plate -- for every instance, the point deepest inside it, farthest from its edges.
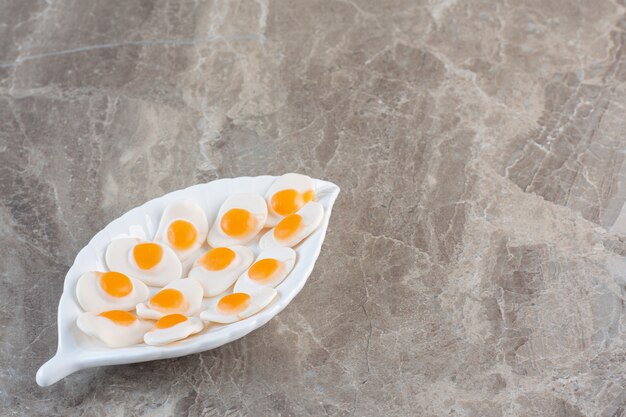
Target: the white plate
(77, 351)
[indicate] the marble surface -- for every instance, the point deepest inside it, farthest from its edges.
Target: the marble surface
(475, 261)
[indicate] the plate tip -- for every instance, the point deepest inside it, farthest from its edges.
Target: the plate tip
(55, 369)
(41, 377)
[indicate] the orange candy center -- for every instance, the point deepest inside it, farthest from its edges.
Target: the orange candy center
(147, 255)
(233, 303)
(238, 222)
(182, 234)
(288, 226)
(217, 259)
(168, 321)
(122, 318)
(286, 202)
(168, 299)
(264, 269)
(116, 284)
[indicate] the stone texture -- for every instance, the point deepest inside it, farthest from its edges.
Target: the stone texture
(474, 264)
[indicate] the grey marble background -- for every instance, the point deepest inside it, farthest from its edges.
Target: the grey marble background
(475, 262)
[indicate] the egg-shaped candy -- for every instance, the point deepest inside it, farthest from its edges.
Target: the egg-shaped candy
(183, 296)
(102, 291)
(114, 328)
(238, 306)
(183, 228)
(288, 194)
(153, 263)
(172, 328)
(240, 218)
(269, 269)
(294, 228)
(219, 268)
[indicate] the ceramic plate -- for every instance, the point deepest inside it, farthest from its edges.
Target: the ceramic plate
(77, 351)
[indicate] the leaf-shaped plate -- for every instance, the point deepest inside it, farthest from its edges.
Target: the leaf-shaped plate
(77, 351)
